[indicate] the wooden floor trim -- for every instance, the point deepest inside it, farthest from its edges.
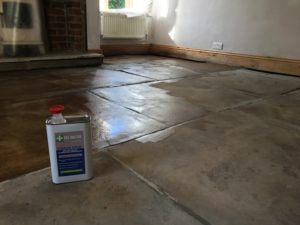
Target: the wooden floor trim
(126, 49)
(270, 64)
(99, 51)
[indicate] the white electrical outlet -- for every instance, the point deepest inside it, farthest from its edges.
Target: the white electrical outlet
(217, 45)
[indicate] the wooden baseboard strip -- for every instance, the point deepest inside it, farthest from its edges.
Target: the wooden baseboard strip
(99, 51)
(270, 64)
(126, 49)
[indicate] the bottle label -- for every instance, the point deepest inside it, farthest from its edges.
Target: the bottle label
(70, 153)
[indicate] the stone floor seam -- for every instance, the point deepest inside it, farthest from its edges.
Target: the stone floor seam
(159, 190)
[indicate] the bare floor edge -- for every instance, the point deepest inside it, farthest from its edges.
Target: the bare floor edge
(162, 192)
(113, 196)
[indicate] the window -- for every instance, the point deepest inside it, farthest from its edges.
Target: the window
(115, 4)
(143, 6)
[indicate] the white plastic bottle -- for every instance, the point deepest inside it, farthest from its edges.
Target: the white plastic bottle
(69, 142)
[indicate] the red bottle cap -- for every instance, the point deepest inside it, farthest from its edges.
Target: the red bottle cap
(56, 109)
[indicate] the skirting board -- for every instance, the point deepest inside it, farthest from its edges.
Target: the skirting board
(270, 64)
(98, 51)
(126, 49)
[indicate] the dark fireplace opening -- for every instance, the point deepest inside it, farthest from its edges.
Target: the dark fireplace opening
(65, 22)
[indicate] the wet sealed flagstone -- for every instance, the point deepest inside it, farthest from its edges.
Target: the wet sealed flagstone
(23, 141)
(153, 102)
(60, 82)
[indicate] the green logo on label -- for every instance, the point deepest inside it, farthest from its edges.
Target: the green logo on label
(60, 138)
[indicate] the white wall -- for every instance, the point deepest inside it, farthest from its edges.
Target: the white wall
(93, 24)
(1, 46)
(255, 27)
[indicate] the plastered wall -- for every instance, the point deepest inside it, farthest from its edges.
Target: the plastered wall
(1, 47)
(93, 24)
(256, 27)
(1, 35)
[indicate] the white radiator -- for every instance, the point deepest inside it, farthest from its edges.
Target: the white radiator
(115, 25)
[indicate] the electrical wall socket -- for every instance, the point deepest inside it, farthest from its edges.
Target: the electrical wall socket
(217, 45)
